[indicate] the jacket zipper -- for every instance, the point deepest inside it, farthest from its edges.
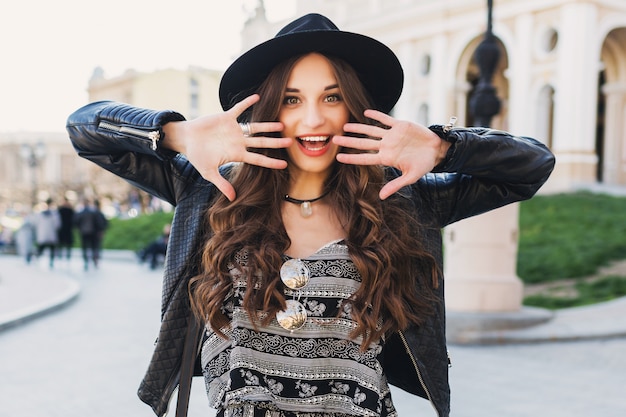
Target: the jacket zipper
(450, 125)
(153, 135)
(417, 370)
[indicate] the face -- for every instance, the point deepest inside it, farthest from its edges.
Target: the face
(312, 112)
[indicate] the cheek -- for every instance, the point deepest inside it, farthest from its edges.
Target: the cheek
(343, 117)
(288, 121)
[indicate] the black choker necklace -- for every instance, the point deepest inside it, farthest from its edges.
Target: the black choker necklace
(305, 205)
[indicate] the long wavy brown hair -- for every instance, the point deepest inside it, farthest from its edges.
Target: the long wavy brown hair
(382, 236)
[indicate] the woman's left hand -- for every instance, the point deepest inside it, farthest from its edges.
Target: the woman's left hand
(410, 147)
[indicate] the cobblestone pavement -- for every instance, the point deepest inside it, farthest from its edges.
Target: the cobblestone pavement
(88, 358)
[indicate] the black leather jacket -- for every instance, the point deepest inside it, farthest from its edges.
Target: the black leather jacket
(483, 170)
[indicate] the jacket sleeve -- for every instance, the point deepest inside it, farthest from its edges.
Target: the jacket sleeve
(124, 140)
(483, 170)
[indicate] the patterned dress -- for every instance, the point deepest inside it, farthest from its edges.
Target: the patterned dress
(314, 371)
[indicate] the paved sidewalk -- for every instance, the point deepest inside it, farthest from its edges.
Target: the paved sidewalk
(28, 291)
(31, 290)
(598, 321)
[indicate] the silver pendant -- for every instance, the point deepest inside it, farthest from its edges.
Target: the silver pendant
(293, 317)
(295, 274)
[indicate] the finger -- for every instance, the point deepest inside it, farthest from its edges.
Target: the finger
(264, 161)
(364, 144)
(408, 177)
(267, 143)
(265, 127)
(380, 117)
(393, 186)
(243, 105)
(223, 185)
(363, 129)
(359, 159)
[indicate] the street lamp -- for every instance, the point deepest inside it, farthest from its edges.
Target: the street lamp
(481, 252)
(484, 103)
(33, 155)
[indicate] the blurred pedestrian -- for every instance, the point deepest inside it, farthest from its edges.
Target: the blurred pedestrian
(66, 231)
(25, 237)
(103, 224)
(156, 249)
(91, 224)
(47, 224)
(6, 238)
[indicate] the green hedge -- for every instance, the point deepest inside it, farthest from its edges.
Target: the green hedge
(135, 233)
(570, 235)
(604, 289)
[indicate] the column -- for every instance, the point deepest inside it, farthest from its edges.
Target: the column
(575, 95)
(481, 261)
(614, 133)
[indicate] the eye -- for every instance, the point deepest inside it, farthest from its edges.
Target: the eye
(333, 98)
(291, 100)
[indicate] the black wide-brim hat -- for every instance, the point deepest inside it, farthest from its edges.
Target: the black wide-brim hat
(377, 66)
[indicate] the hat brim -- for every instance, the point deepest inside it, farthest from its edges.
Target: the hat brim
(376, 65)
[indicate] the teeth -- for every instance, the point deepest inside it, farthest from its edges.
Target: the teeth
(314, 139)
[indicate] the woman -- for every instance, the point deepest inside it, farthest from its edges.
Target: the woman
(313, 263)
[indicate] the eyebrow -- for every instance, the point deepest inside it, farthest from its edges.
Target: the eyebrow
(295, 90)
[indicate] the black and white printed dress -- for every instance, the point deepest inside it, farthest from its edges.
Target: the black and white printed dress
(315, 371)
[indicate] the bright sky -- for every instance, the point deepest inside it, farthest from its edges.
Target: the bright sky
(49, 48)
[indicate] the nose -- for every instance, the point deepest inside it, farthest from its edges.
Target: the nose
(313, 116)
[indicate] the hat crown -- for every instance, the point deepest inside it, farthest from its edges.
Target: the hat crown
(311, 22)
(376, 65)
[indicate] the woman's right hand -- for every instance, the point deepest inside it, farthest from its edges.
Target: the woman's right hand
(209, 142)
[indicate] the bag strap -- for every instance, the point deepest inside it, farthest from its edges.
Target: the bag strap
(187, 366)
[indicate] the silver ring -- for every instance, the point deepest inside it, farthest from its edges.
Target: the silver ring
(245, 128)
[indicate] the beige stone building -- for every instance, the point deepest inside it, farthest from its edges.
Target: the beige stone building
(35, 166)
(192, 92)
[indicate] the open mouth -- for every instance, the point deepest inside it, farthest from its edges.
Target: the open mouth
(314, 143)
